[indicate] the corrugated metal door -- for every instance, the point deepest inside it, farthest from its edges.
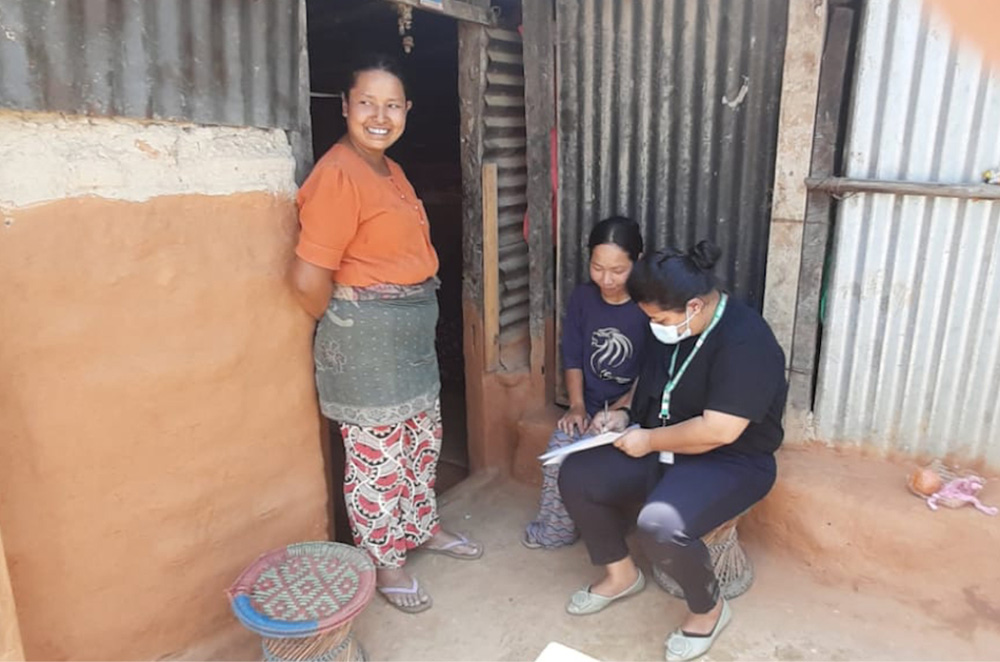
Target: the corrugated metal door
(504, 143)
(668, 113)
(910, 356)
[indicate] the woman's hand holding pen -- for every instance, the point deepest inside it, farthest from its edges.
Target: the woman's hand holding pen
(615, 420)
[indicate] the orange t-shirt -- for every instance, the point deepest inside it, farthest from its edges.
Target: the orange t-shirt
(366, 227)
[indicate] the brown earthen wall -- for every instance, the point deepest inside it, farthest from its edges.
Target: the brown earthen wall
(849, 518)
(10, 633)
(495, 401)
(157, 415)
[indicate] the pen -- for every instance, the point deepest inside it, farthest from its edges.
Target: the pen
(604, 423)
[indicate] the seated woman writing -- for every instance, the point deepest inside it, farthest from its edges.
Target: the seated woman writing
(712, 392)
(602, 341)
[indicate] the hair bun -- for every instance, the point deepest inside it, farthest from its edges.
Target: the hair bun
(705, 254)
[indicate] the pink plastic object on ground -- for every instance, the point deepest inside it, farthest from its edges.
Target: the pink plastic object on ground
(959, 492)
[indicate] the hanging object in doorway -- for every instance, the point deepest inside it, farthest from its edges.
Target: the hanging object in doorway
(405, 25)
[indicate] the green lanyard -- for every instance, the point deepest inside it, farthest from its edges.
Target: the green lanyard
(676, 378)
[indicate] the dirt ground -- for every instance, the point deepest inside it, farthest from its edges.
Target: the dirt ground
(509, 605)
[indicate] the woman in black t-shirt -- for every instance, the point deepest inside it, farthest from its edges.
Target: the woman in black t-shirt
(707, 414)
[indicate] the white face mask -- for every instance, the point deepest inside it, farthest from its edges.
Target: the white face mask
(671, 335)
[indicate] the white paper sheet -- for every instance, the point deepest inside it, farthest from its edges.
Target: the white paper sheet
(560, 454)
(557, 456)
(556, 652)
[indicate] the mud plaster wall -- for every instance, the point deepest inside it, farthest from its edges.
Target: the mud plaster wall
(157, 410)
(848, 517)
(495, 401)
(10, 632)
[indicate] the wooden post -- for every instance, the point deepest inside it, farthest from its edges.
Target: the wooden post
(827, 137)
(10, 633)
(796, 123)
(491, 268)
(539, 96)
(472, 65)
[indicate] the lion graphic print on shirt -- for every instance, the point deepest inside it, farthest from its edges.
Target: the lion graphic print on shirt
(611, 349)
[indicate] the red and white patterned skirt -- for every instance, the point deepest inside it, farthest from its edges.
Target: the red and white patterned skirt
(389, 480)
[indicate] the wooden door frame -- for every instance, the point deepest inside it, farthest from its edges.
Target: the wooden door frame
(495, 398)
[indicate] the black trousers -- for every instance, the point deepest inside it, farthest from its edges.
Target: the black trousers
(682, 502)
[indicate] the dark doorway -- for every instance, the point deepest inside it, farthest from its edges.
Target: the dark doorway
(429, 154)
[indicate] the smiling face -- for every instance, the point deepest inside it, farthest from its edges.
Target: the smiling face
(610, 267)
(375, 109)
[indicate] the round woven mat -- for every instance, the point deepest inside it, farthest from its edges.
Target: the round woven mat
(303, 589)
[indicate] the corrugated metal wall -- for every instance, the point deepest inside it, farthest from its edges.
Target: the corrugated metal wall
(668, 113)
(910, 356)
(504, 142)
(231, 62)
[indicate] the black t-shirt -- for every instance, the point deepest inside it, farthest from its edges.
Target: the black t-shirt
(739, 370)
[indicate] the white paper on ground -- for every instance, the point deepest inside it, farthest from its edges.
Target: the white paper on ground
(556, 652)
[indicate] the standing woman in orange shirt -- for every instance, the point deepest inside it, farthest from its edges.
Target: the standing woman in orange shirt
(366, 269)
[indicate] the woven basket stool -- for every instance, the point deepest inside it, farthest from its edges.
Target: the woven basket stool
(302, 600)
(732, 566)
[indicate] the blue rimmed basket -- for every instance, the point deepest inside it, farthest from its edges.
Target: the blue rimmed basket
(302, 600)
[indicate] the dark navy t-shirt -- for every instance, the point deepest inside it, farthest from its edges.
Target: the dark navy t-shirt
(605, 341)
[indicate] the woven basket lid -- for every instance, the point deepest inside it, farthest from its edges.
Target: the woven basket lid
(304, 589)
